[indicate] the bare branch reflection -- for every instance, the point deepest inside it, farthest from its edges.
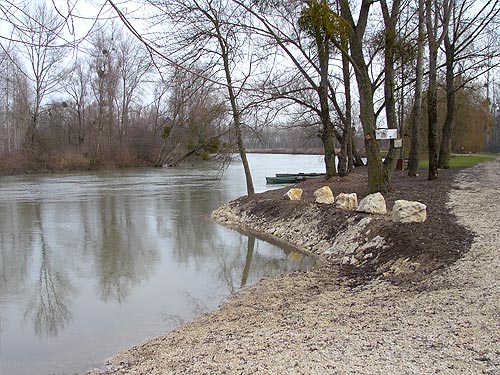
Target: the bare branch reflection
(50, 300)
(49, 304)
(248, 261)
(195, 306)
(261, 259)
(123, 257)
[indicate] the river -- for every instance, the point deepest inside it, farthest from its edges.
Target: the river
(95, 262)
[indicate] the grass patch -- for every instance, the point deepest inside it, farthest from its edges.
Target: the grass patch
(463, 160)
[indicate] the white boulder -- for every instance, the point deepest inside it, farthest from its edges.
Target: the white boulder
(324, 195)
(373, 204)
(293, 194)
(409, 211)
(347, 201)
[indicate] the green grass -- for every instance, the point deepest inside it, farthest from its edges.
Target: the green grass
(463, 160)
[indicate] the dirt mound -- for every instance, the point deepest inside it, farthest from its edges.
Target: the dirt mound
(410, 250)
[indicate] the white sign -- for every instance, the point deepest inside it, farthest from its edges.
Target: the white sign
(386, 133)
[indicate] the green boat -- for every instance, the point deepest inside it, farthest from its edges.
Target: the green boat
(305, 175)
(291, 178)
(281, 180)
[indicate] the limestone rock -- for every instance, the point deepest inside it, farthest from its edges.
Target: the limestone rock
(293, 194)
(324, 195)
(409, 211)
(347, 201)
(295, 256)
(373, 204)
(347, 241)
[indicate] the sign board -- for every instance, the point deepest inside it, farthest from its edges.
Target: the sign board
(398, 143)
(386, 133)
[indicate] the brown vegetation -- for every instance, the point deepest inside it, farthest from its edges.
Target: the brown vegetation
(470, 125)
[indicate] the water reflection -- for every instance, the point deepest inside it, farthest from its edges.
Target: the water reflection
(237, 269)
(13, 264)
(49, 304)
(123, 255)
(248, 261)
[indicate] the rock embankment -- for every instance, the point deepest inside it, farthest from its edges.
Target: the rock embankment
(345, 235)
(354, 242)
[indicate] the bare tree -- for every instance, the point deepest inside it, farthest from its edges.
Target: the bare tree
(325, 27)
(133, 64)
(417, 103)
(77, 87)
(437, 17)
(195, 119)
(210, 31)
(466, 27)
(104, 84)
(38, 33)
(14, 113)
(379, 172)
(305, 33)
(161, 120)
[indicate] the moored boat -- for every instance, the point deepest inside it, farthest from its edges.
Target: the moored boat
(290, 178)
(281, 180)
(306, 175)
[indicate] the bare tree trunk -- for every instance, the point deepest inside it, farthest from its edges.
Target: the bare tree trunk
(235, 110)
(345, 156)
(327, 135)
(390, 21)
(433, 45)
(342, 155)
(379, 173)
(378, 180)
(432, 111)
(417, 105)
(160, 160)
(434, 42)
(241, 146)
(350, 148)
(377, 177)
(445, 149)
(356, 161)
(31, 133)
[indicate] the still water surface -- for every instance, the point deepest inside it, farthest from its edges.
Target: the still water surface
(94, 262)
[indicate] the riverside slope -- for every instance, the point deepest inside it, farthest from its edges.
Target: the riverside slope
(447, 321)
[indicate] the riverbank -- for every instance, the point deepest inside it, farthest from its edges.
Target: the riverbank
(289, 151)
(23, 163)
(361, 246)
(425, 301)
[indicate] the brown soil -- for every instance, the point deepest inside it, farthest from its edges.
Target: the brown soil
(433, 244)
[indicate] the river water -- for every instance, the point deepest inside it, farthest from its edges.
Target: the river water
(95, 262)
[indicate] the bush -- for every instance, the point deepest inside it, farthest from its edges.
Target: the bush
(69, 161)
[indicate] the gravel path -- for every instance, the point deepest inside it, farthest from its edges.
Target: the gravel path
(313, 323)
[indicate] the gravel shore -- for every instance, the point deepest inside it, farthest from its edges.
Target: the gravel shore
(317, 323)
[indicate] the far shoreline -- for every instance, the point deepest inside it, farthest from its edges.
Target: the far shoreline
(290, 151)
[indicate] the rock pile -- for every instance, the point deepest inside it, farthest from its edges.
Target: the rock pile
(293, 195)
(347, 201)
(407, 212)
(373, 204)
(324, 195)
(403, 211)
(356, 239)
